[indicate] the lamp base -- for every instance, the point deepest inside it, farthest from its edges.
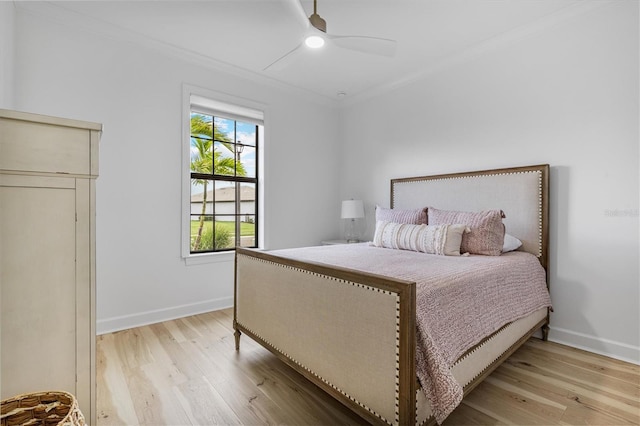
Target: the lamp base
(351, 235)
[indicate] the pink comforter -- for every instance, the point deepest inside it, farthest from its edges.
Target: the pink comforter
(459, 301)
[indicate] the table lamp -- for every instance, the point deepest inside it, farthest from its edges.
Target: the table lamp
(352, 210)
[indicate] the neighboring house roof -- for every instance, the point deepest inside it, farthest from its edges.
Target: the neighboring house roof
(228, 194)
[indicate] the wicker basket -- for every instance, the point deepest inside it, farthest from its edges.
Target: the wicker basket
(42, 409)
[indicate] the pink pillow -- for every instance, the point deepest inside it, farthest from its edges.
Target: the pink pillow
(487, 230)
(416, 216)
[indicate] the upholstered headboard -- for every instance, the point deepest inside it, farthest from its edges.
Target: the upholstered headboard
(521, 192)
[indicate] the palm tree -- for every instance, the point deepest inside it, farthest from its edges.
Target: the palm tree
(210, 161)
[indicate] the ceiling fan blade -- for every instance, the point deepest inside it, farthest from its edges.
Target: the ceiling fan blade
(284, 60)
(371, 45)
(297, 9)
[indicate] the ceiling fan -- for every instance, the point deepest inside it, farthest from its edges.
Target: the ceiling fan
(316, 35)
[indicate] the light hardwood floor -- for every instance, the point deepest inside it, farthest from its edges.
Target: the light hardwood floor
(187, 372)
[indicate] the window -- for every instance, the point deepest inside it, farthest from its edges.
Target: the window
(224, 188)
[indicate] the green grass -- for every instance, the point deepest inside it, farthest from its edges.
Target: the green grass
(246, 229)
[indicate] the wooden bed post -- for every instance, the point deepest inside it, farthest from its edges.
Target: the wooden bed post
(407, 361)
(236, 335)
(545, 331)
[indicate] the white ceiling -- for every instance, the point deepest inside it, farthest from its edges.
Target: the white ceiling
(248, 35)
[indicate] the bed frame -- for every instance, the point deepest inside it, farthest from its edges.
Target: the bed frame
(323, 320)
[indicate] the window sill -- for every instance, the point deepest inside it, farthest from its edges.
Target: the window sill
(201, 259)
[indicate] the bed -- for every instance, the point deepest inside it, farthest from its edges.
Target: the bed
(338, 316)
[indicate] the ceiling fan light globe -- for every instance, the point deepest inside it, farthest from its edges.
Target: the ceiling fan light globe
(314, 41)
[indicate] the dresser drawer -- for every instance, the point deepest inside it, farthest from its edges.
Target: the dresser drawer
(37, 147)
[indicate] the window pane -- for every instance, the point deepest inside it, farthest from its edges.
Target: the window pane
(201, 196)
(201, 156)
(201, 233)
(223, 159)
(247, 165)
(225, 198)
(201, 126)
(223, 129)
(248, 198)
(247, 231)
(225, 232)
(201, 143)
(246, 133)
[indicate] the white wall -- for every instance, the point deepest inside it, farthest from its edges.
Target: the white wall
(7, 16)
(567, 96)
(137, 94)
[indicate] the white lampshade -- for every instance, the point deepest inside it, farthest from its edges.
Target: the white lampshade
(352, 209)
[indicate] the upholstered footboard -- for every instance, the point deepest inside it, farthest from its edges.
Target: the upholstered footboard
(351, 333)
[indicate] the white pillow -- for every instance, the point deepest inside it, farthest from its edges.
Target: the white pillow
(433, 239)
(511, 243)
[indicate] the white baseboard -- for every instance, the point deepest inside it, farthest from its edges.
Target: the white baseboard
(109, 325)
(617, 350)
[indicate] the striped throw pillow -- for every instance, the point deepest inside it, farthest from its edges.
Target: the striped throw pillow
(441, 239)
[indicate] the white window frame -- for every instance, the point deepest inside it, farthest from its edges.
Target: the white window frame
(229, 106)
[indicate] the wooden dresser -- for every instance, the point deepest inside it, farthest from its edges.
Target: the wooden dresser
(48, 168)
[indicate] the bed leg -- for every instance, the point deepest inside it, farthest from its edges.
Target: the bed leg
(237, 334)
(545, 332)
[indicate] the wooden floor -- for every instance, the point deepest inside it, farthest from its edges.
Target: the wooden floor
(186, 372)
